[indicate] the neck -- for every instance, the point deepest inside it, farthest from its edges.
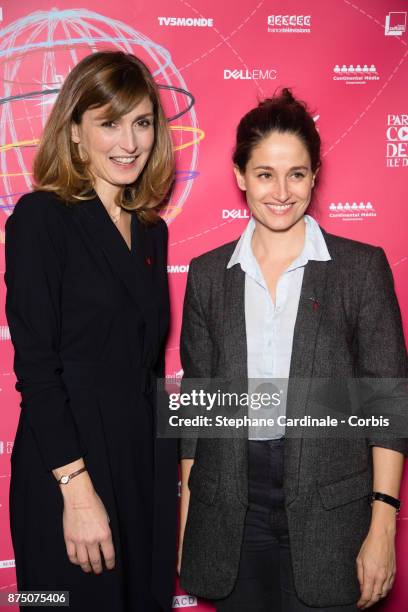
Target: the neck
(107, 195)
(278, 245)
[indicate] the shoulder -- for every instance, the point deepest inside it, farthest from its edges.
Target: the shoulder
(38, 222)
(158, 230)
(216, 259)
(357, 263)
(339, 246)
(352, 252)
(36, 206)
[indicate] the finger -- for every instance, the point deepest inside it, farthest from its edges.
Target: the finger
(366, 591)
(95, 558)
(360, 573)
(72, 552)
(377, 590)
(108, 552)
(82, 554)
(388, 584)
(392, 580)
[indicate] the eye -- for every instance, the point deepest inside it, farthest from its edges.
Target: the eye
(298, 175)
(144, 123)
(266, 175)
(108, 124)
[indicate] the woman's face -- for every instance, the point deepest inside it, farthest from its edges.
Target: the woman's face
(278, 181)
(119, 150)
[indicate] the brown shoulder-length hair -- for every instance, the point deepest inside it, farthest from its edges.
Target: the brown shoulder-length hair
(121, 81)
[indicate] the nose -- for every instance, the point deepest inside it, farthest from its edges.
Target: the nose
(281, 191)
(128, 139)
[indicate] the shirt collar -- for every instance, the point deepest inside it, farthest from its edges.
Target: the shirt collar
(314, 248)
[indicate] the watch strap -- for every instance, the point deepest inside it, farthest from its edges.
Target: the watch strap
(67, 477)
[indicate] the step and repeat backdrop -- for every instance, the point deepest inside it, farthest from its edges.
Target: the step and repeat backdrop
(214, 61)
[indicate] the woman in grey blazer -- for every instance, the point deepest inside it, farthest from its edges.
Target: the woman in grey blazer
(284, 522)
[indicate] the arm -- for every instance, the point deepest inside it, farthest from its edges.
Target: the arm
(34, 275)
(376, 564)
(381, 354)
(164, 306)
(186, 465)
(196, 359)
(34, 270)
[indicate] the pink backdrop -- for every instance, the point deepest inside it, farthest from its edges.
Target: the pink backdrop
(347, 60)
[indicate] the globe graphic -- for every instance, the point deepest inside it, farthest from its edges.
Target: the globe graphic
(38, 51)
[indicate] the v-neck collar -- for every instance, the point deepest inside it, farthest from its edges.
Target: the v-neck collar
(133, 221)
(129, 264)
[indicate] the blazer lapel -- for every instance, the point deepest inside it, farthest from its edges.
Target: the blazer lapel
(235, 354)
(131, 267)
(310, 310)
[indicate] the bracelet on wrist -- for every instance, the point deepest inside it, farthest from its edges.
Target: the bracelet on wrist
(67, 477)
(387, 499)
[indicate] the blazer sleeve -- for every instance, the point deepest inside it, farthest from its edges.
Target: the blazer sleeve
(34, 272)
(381, 346)
(195, 345)
(164, 304)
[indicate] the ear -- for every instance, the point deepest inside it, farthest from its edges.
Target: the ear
(240, 178)
(75, 133)
(314, 177)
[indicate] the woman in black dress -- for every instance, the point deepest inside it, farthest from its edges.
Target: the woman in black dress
(87, 306)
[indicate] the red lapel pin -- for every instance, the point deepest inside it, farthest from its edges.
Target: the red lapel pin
(315, 303)
(149, 261)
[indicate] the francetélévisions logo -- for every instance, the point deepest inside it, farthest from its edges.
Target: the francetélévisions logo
(395, 24)
(289, 24)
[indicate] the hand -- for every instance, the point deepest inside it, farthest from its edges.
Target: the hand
(179, 556)
(87, 532)
(376, 566)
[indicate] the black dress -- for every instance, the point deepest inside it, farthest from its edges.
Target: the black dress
(88, 319)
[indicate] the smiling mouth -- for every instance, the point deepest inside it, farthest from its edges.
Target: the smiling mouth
(123, 160)
(279, 207)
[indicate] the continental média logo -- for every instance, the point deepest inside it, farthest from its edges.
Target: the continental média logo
(352, 211)
(355, 74)
(186, 22)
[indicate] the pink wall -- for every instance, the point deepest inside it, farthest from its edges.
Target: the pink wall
(347, 60)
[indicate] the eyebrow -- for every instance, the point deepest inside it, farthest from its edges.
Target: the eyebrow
(271, 168)
(138, 118)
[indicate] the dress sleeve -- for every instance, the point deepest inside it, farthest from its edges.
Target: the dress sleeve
(34, 274)
(195, 346)
(382, 351)
(164, 305)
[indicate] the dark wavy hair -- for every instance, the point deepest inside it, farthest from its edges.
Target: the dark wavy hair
(281, 113)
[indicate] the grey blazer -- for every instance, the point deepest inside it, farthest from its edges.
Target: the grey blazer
(356, 332)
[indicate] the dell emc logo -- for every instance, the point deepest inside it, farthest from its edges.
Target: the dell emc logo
(235, 214)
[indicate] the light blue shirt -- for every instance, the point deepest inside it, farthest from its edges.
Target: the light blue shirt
(269, 326)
